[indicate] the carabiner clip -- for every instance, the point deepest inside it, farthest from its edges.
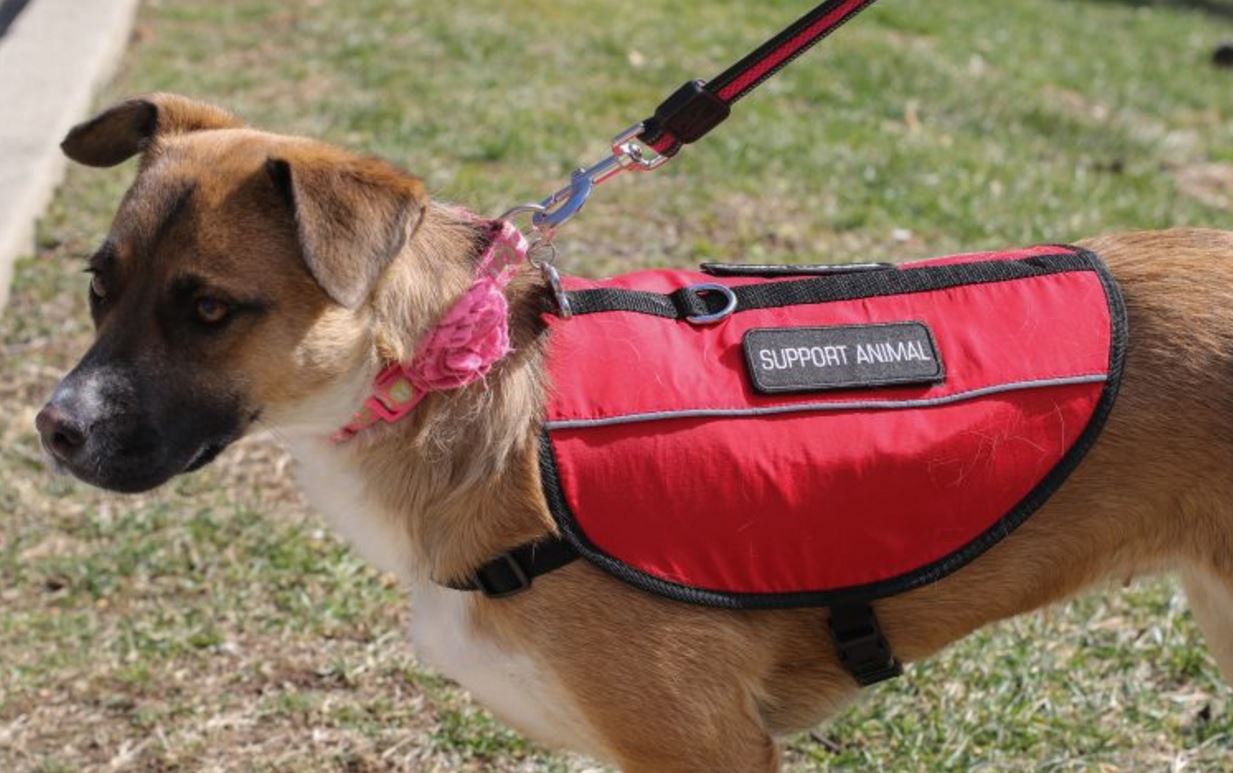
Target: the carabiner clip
(627, 153)
(567, 202)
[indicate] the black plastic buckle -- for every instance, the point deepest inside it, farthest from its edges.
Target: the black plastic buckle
(863, 650)
(501, 577)
(687, 115)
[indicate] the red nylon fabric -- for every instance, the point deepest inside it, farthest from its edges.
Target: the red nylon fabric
(817, 500)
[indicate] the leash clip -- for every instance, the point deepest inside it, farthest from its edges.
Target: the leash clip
(627, 154)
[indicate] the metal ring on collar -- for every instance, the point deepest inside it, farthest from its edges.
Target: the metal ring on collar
(531, 206)
(712, 287)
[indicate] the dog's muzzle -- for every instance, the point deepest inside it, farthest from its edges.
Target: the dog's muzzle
(110, 429)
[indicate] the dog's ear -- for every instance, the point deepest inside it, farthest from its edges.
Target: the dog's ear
(353, 215)
(126, 129)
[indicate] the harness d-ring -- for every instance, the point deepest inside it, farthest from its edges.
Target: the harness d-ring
(564, 311)
(712, 287)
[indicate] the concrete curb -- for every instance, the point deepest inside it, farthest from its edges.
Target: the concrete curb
(53, 57)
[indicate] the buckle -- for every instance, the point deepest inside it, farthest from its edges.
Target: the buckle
(495, 588)
(867, 657)
(872, 674)
(863, 650)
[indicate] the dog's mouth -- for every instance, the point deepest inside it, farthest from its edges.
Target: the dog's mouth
(211, 449)
(135, 475)
(206, 454)
(133, 470)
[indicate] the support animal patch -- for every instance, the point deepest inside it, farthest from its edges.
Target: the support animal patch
(806, 359)
(831, 439)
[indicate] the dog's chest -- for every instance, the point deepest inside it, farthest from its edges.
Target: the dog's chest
(336, 488)
(509, 683)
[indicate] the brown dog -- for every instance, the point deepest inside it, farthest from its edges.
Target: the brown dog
(253, 279)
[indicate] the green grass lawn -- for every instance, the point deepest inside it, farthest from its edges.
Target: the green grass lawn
(216, 625)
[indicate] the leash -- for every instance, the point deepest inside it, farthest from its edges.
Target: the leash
(686, 116)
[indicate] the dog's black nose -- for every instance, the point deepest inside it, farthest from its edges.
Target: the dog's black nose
(61, 435)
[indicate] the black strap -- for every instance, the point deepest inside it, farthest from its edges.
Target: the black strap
(513, 571)
(689, 302)
(699, 106)
(863, 650)
(785, 270)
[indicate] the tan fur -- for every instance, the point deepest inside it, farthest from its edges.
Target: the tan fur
(667, 686)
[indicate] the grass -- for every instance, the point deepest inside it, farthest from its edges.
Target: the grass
(215, 625)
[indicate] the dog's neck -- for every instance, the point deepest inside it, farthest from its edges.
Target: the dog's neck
(459, 471)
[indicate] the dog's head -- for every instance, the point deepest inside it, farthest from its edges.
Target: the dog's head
(234, 282)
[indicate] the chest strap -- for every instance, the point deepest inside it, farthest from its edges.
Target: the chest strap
(512, 572)
(863, 650)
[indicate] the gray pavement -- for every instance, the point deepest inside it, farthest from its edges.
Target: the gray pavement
(52, 58)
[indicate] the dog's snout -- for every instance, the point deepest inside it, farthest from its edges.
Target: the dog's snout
(62, 433)
(68, 422)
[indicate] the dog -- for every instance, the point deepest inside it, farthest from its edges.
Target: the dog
(252, 280)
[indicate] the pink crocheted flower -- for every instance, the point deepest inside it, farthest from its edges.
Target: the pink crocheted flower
(469, 339)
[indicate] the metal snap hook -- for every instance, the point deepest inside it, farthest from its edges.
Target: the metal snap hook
(712, 287)
(564, 204)
(552, 212)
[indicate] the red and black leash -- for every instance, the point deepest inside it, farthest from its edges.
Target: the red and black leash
(693, 110)
(699, 106)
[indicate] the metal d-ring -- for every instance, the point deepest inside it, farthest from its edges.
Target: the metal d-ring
(558, 290)
(712, 287)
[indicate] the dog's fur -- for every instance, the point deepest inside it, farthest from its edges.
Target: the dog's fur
(332, 264)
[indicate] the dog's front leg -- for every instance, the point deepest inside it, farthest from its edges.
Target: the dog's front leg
(1210, 594)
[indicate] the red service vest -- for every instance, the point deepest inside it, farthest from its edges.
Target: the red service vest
(824, 439)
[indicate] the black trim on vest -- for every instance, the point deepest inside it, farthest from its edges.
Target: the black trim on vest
(836, 287)
(843, 287)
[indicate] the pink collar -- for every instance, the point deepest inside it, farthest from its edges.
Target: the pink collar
(469, 339)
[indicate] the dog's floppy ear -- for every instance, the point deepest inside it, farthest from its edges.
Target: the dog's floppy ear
(126, 129)
(353, 215)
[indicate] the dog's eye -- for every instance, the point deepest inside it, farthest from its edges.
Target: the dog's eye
(211, 310)
(98, 288)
